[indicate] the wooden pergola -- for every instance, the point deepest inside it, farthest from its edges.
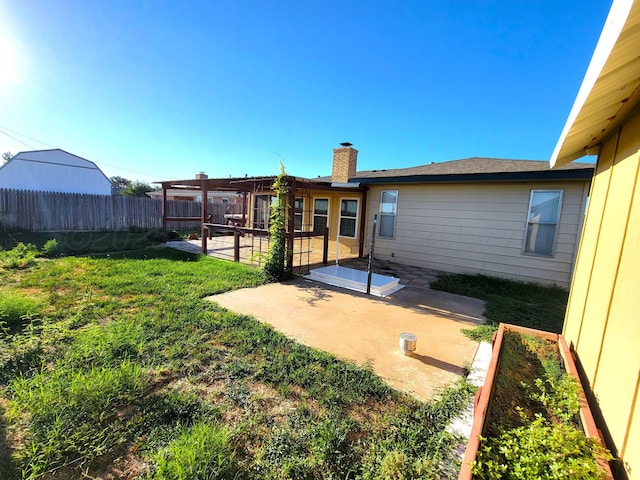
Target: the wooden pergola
(248, 186)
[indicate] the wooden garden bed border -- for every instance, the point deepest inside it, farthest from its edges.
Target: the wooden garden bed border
(482, 397)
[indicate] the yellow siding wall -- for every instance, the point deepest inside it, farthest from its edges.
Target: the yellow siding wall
(347, 247)
(478, 228)
(603, 315)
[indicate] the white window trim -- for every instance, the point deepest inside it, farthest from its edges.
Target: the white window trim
(301, 229)
(395, 215)
(271, 200)
(557, 224)
(357, 217)
(313, 212)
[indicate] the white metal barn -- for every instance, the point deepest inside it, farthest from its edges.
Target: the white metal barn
(53, 171)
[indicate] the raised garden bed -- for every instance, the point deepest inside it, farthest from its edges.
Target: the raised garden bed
(531, 417)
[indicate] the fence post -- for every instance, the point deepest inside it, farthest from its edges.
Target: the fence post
(236, 245)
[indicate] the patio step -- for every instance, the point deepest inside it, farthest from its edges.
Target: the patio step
(336, 275)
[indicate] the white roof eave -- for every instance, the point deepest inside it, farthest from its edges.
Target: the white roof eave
(604, 89)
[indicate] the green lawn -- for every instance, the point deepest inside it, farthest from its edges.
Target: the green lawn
(116, 365)
(526, 304)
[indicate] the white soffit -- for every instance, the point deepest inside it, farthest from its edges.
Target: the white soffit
(609, 91)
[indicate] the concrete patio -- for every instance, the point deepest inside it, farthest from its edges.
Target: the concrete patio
(367, 329)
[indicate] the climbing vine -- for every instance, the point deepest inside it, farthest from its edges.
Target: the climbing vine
(274, 266)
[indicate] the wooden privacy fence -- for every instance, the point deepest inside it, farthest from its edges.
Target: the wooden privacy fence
(67, 212)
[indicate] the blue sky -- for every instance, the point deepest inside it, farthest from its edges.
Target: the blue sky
(158, 90)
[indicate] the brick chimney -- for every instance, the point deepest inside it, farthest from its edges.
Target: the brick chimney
(345, 159)
(201, 176)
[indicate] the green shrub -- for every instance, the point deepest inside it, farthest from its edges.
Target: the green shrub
(201, 452)
(560, 397)
(21, 256)
(50, 249)
(540, 450)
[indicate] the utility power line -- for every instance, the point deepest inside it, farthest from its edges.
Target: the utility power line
(17, 139)
(2, 127)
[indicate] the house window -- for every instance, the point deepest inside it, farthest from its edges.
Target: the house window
(320, 214)
(348, 217)
(542, 222)
(297, 214)
(388, 207)
(262, 211)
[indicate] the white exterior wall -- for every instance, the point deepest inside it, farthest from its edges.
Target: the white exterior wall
(53, 171)
(478, 228)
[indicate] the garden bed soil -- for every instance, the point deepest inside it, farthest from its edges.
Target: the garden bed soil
(522, 355)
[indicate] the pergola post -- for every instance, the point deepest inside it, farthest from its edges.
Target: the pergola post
(291, 198)
(164, 209)
(244, 209)
(204, 214)
(236, 245)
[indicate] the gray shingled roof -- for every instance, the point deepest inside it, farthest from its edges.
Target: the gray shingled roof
(467, 167)
(470, 166)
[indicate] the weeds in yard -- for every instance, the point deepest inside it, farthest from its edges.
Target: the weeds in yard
(69, 413)
(201, 451)
(16, 309)
(543, 450)
(19, 257)
(508, 301)
(128, 361)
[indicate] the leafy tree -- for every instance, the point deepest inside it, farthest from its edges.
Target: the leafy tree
(6, 156)
(136, 189)
(119, 182)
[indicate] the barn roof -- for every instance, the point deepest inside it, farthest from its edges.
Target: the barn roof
(53, 170)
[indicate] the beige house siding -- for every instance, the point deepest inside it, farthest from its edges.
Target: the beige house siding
(478, 228)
